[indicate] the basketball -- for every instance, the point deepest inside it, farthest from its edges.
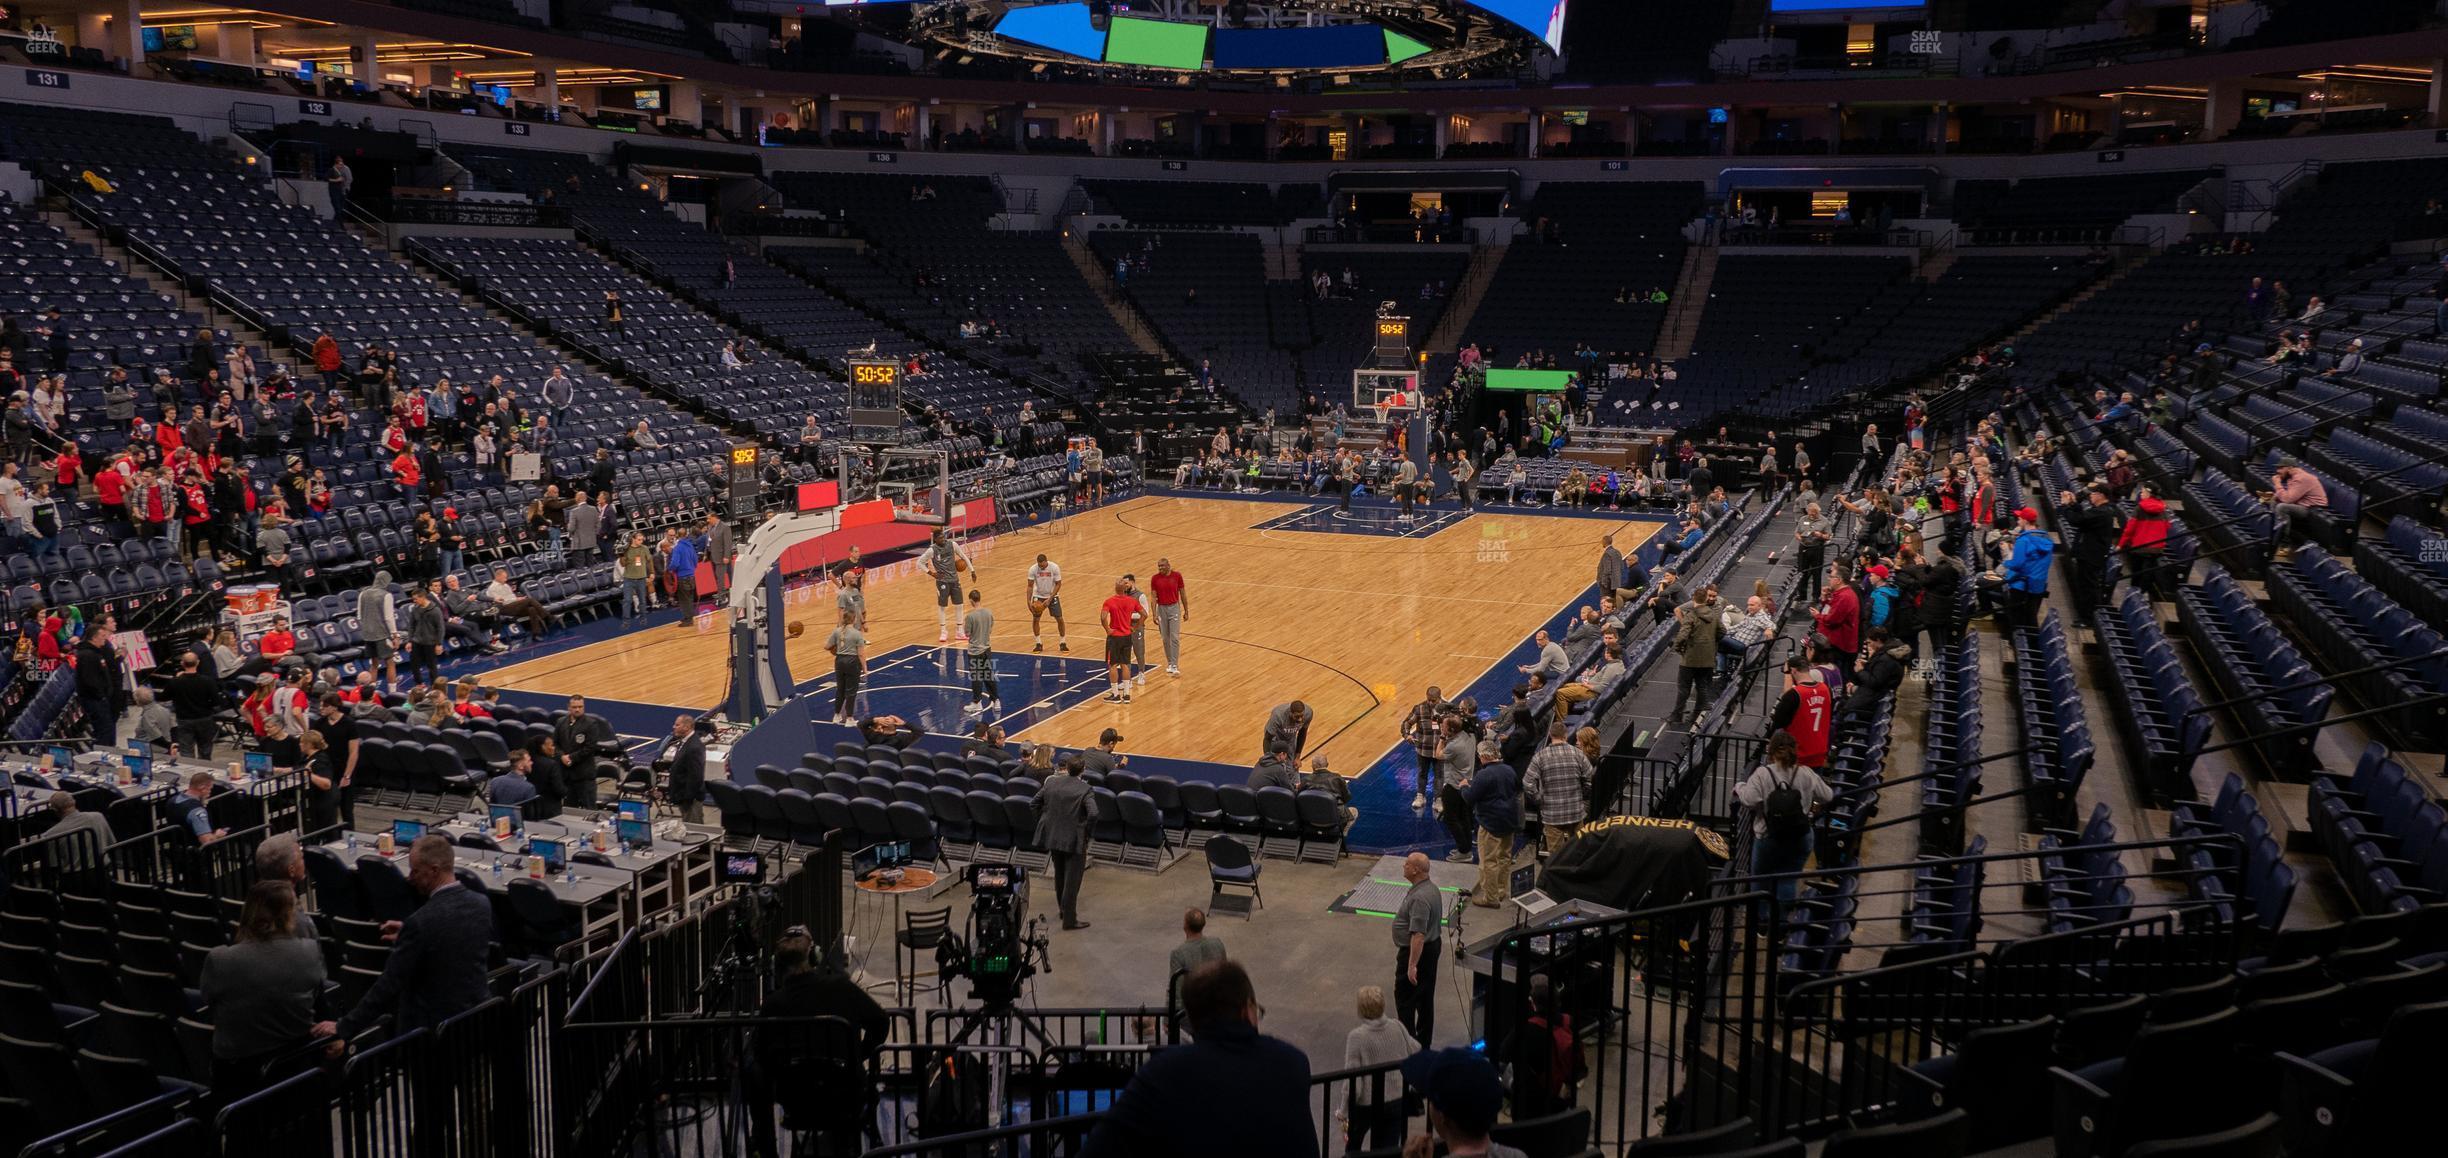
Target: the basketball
(796, 629)
(1037, 605)
(959, 564)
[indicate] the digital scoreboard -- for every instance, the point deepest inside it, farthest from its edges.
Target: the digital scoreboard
(1393, 341)
(746, 487)
(875, 397)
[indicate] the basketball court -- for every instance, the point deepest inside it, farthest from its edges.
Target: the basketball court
(1353, 612)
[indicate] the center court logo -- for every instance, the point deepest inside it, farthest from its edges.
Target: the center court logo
(1494, 546)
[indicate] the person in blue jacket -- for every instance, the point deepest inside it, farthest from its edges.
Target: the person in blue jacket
(2026, 569)
(1883, 596)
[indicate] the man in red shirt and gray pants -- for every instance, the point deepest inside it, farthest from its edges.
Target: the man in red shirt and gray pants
(1172, 610)
(1121, 611)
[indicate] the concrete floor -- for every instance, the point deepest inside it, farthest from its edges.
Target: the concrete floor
(1306, 962)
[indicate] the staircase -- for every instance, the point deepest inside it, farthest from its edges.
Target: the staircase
(2124, 265)
(1283, 258)
(1126, 315)
(1690, 299)
(1935, 262)
(161, 282)
(1447, 337)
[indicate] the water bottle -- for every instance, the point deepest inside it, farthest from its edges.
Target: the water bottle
(352, 842)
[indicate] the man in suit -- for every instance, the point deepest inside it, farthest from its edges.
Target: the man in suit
(101, 684)
(438, 955)
(581, 738)
(683, 761)
(1065, 809)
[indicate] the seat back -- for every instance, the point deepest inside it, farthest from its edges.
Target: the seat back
(1939, 1137)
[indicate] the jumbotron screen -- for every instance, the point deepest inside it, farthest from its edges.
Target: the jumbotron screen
(1155, 43)
(1532, 381)
(1061, 27)
(1540, 18)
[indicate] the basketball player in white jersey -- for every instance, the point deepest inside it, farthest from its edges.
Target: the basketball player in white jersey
(1045, 595)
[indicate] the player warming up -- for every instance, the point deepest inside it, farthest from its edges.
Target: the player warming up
(1045, 598)
(947, 562)
(977, 628)
(1122, 616)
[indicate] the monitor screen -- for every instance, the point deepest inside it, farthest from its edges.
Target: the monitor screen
(554, 852)
(646, 100)
(1331, 46)
(890, 854)
(405, 832)
(495, 814)
(1155, 43)
(141, 747)
(634, 833)
(140, 767)
(61, 758)
(1540, 18)
(739, 868)
(259, 763)
(1536, 381)
(1061, 27)
(1838, 5)
(634, 810)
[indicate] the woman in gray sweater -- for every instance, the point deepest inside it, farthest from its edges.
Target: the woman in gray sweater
(261, 990)
(1372, 1113)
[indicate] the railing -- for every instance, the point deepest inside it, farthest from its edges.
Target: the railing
(452, 211)
(1831, 234)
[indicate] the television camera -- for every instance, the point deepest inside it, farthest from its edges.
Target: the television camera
(1004, 946)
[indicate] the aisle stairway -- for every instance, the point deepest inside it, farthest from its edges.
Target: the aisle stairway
(1142, 335)
(1690, 300)
(1447, 336)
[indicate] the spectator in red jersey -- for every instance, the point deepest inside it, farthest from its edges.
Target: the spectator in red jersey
(1805, 712)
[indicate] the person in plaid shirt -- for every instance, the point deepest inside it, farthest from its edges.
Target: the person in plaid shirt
(1558, 782)
(1420, 728)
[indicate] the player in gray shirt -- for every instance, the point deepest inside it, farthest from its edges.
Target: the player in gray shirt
(978, 625)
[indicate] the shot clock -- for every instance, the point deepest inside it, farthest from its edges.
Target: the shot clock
(875, 397)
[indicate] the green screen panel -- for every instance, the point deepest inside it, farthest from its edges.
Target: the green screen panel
(1541, 381)
(1400, 48)
(1155, 43)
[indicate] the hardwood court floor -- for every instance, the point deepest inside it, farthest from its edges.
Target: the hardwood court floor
(1355, 624)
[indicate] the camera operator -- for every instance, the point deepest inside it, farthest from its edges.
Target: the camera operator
(792, 1059)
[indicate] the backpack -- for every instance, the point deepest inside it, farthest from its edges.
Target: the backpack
(1565, 1064)
(952, 1099)
(1787, 819)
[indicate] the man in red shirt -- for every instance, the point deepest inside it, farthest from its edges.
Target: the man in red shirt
(278, 643)
(1121, 618)
(1172, 610)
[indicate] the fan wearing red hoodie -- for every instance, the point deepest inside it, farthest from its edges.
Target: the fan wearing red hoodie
(2143, 546)
(1838, 618)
